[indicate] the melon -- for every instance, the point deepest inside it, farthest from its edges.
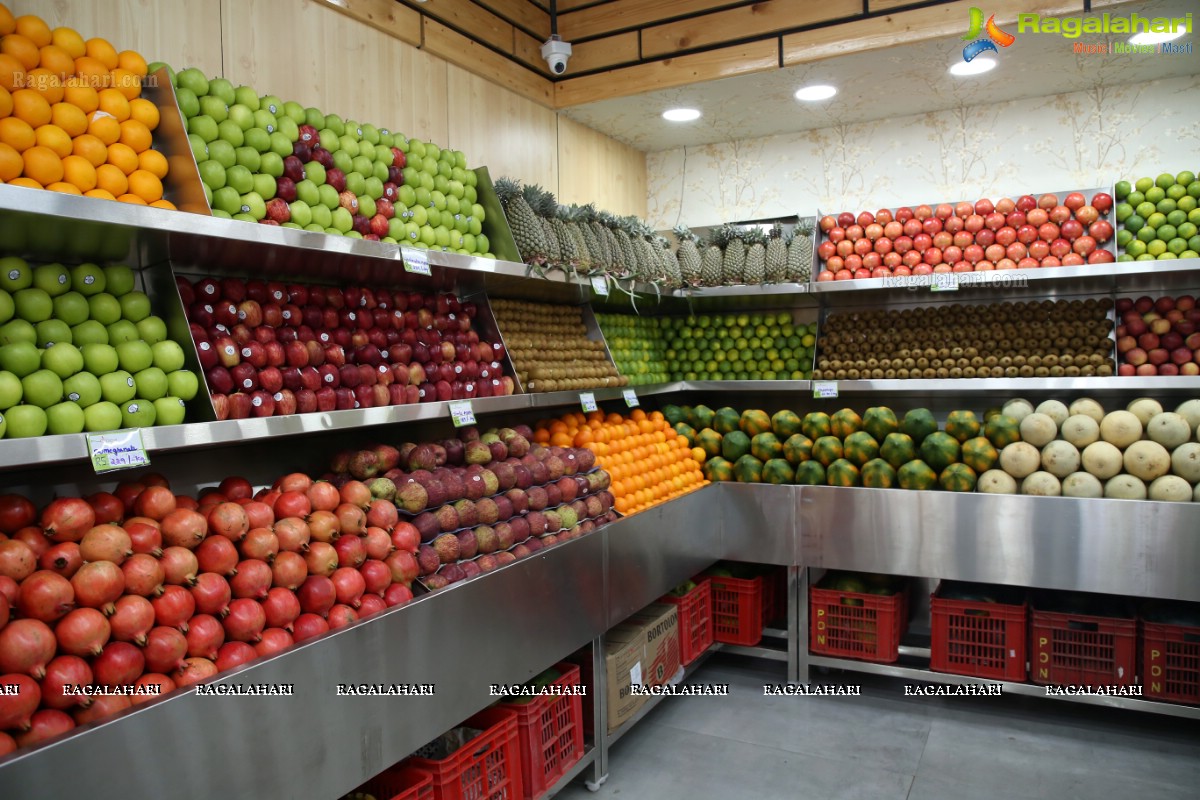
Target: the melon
(1038, 429)
(1169, 429)
(1018, 408)
(1041, 484)
(1144, 408)
(1185, 462)
(1060, 458)
(1080, 430)
(1120, 428)
(1088, 408)
(1055, 410)
(1147, 460)
(1102, 460)
(1190, 410)
(1196, 494)
(1125, 487)
(1082, 484)
(996, 481)
(1020, 459)
(1171, 488)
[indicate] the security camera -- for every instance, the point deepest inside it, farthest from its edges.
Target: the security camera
(557, 53)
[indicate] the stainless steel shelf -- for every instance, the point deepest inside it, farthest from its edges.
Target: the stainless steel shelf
(556, 399)
(998, 386)
(764, 290)
(748, 386)
(766, 653)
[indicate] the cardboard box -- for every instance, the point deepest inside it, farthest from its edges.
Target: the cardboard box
(643, 649)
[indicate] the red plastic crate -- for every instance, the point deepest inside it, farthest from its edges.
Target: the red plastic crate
(985, 640)
(1171, 662)
(1070, 649)
(487, 768)
(695, 610)
(737, 610)
(550, 734)
(774, 585)
(867, 627)
(400, 783)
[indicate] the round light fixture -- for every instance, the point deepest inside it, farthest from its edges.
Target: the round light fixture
(976, 66)
(812, 94)
(1150, 37)
(681, 114)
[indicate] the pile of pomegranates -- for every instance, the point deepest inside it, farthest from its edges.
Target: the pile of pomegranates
(1158, 336)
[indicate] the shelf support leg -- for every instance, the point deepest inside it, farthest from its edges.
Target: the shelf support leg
(797, 596)
(599, 716)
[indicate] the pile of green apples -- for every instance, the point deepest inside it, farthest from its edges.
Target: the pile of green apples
(80, 351)
(263, 160)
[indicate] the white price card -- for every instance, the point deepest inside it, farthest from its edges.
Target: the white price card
(943, 282)
(631, 398)
(416, 260)
(588, 401)
(635, 674)
(825, 389)
(114, 450)
(600, 285)
(461, 413)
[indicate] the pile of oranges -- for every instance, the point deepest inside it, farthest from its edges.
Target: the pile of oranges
(72, 118)
(648, 462)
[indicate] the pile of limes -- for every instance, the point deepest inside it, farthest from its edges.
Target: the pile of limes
(1160, 217)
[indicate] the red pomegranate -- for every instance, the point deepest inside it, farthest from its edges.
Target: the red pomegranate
(245, 621)
(45, 596)
(82, 632)
(132, 619)
(119, 665)
(26, 646)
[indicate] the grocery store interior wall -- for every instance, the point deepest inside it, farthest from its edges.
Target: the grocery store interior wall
(1061, 142)
(307, 52)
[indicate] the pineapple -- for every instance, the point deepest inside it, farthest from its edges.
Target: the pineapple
(777, 255)
(733, 266)
(543, 204)
(616, 258)
(566, 238)
(674, 278)
(597, 243)
(622, 265)
(571, 215)
(584, 217)
(527, 229)
(688, 256)
(800, 253)
(712, 260)
(756, 258)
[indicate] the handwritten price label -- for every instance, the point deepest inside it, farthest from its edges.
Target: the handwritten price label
(600, 285)
(461, 413)
(631, 398)
(113, 450)
(416, 260)
(588, 401)
(825, 389)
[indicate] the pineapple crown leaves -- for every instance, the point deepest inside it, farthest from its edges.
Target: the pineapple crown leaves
(777, 230)
(683, 233)
(507, 189)
(718, 237)
(607, 220)
(587, 213)
(732, 232)
(547, 204)
(533, 196)
(753, 236)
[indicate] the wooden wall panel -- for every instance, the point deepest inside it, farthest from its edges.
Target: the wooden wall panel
(463, 15)
(620, 48)
(182, 33)
(594, 168)
(624, 14)
(458, 49)
(742, 23)
(385, 15)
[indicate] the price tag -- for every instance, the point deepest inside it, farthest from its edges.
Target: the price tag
(588, 401)
(825, 389)
(943, 282)
(461, 413)
(416, 260)
(114, 450)
(600, 285)
(631, 398)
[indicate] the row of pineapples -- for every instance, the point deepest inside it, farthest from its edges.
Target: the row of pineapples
(732, 256)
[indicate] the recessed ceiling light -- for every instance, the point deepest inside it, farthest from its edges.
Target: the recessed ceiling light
(1149, 37)
(976, 66)
(811, 94)
(681, 114)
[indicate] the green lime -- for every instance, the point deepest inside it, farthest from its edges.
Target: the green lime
(1124, 257)
(1166, 232)
(1175, 192)
(1122, 189)
(1147, 234)
(1164, 181)
(1136, 248)
(1135, 197)
(1124, 210)
(1187, 204)
(1156, 248)
(1154, 194)
(1123, 237)
(1185, 178)
(1156, 220)
(1142, 184)
(1177, 245)
(1145, 209)
(1134, 223)
(1165, 206)
(1187, 230)
(1194, 189)
(1194, 243)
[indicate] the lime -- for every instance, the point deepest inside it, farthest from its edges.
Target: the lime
(1166, 232)
(1177, 245)
(1194, 243)
(1135, 197)
(1123, 237)
(1187, 230)
(1164, 181)
(1193, 189)
(1122, 189)
(1142, 184)
(1123, 211)
(1175, 192)
(1134, 223)
(1167, 256)
(1189, 254)
(1187, 204)
(1124, 257)
(1165, 206)
(1154, 194)
(1147, 234)
(1156, 248)
(1145, 209)
(1146, 257)
(1194, 216)
(1185, 178)
(1136, 248)
(1156, 220)
(1176, 217)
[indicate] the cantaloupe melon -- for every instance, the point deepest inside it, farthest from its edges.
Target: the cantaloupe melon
(1060, 458)
(1054, 409)
(1147, 460)
(1185, 462)
(1088, 407)
(1102, 460)
(1190, 410)
(1080, 430)
(1120, 428)
(1038, 429)
(1125, 487)
(996, 481)
(1020, 459)
(1171, 488)
(1018, 408)
(1145, 408)
(1082, 484)
(1169, 429)
(1041, 484)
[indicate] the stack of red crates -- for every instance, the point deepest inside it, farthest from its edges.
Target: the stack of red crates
(1069, 648)
(1171, 654)
(695, 620)
(737, 610)
(400, 783)
(857, 625)
(979, 638)
(549, 734)
(488, 766)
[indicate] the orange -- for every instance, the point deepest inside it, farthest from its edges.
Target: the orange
(78, 171)
(64, 187)
(145, 185)
(17, 134)
(153, 162)
(45, 83)
(93, 73)
(12, 72)
(91, 149)
(126, 83)
(103, 52)
(21, 49)
(132, 198)
(69, 118)
(122, 157)
(55, 138)
(57, 60)
(31, 107)
(132, 61)
(11, 163)
(136, 135)
(99, 194)
(164, 204)
(34, 29)
(104, 127)
(42, 165)
(115, 103)
(111, 180)
(8, 23)
(69, 40)
(85, 98)
(6, 103)
(28, 183)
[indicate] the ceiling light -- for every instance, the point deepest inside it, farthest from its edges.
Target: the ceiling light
(811, 94)
(1148, 37)
(976, 66)
(681, 114)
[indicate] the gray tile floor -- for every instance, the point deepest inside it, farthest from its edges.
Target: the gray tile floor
(884, 746)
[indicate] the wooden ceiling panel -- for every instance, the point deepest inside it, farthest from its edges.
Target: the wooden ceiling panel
(523, 14)
(620, 15)
(473, 20)
(470, 55)
(744, 22)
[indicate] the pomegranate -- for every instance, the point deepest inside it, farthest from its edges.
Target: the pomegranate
(378, 543)
(184, 528)
(340, 616)
(228, 520)
(155, 502)
(404, 566)
(119, 665)
(259, 514)
(98, 584)
(164, 650)
(405, 536)
(193, 671)
(355, 493)
(274, 640)
(205, 636)
(7, 744)
(371, 604)
(19, 698)
(281, 607)
(9, 589)
(106, 542)
(26, 646)
(352, 520)
(45, 596)
(180, 566)
(45, 724)
(293, 534)
(260, 543)
(144, 575)
(348, 585)
(62, 672)
(292, 504)
(132, 619)
(308, 626)
(16, 512)
(217, 554)
(127, 492)
(236, 488)
(321, 558)
(324, 526)
(107, 507)
(252, 580)
(323, 496)
(82, 632)
(234, 654)
(67, 519)
(397, 595)
(317, 594)
(153, 685)
(174, 607)
(294, 482)
(212, 594)
(377, 576)
(64, 559)
(245, 621)
(33, 538)
(17, 560)
(382, 514)
(144, 538)
(101, 708)
(351, 550)
(289, 570)
(154, 479)
(5, 611)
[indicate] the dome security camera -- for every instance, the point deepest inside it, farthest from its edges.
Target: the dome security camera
(557, 53)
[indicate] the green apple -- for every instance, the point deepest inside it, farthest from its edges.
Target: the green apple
(314, 117)
(99, 358)
(88, 332)
(301, 212)
(276, 106)
(272, 164)
(122, 331)
(334, 232)
(64, 417)
(469, 243)
(221, 213)
(334, 123)
(244, 217)
(254, 205)
(453, 207)
(119, 279)
(424, 198)
(104, 308)
(134, 356)
(152, 330)
(349, 146)
(354, 235)
(135, 306)
(18, 330)
(240, 179)
(42, 388)
(82, 388)
(363, 165)
(379, 170)
(199, 147)
(10, 390)
(366, 206)
(280, 144)
(169, 411)
(386, 139)
(294, 110)
(327, 196)
(222, 153)
(25, 422)
(366, 150)
(288, 127)
(20, 358)
(329, 140)
(193, 80)
(7, 306)
(117, 386)
(229, 131)
(222, 88)
(370, 133)
(189, 104)
(322, 215)
(266, 120)
(428, 236)
(442, 236)
(416, 148)
(355, 182)
(342, 220)
(427, 182)
(264, 186)
(150, 383)
(412, 232)
(308, 192)
(246, 96)
(33, 304)
(138, 413)
(407, 195)
(227, 200)
(207, 193)
(343, 161)
(314, 171)
(15, 274)
(396, 228)
(102, 416)
(205, 127)
(433, 218)
(314, 227)
(63, 359)
(88, 279)
(214, 108)
(50, 331)
(168, 356)
(249, 158)
(182, 383)
(374, 187)
(258, 139)
(53, 279)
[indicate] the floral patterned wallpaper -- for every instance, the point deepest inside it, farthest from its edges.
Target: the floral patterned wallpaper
(1078, 140)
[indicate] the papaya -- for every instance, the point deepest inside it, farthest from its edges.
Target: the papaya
(940, 450)
(958, 478)
(845, 422)
(765, 447)
(701, 417)
(860, 447)
(979, 454)
(898, 449)
(962, 425)
(879, 421)
(918, 423)
(991, 412)
(710, 441)
(1002, 430)
(687, 431)
(778, 472)
(815, 425)
(734, 445)
(797, 448)
(718, 469)
(725, 420)
(916, 474)
(842, 473)
(827, 450)
(754, 422)
(785, 423)
(810, 473)
(673, 414)
(748, 469)
(878, 474)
